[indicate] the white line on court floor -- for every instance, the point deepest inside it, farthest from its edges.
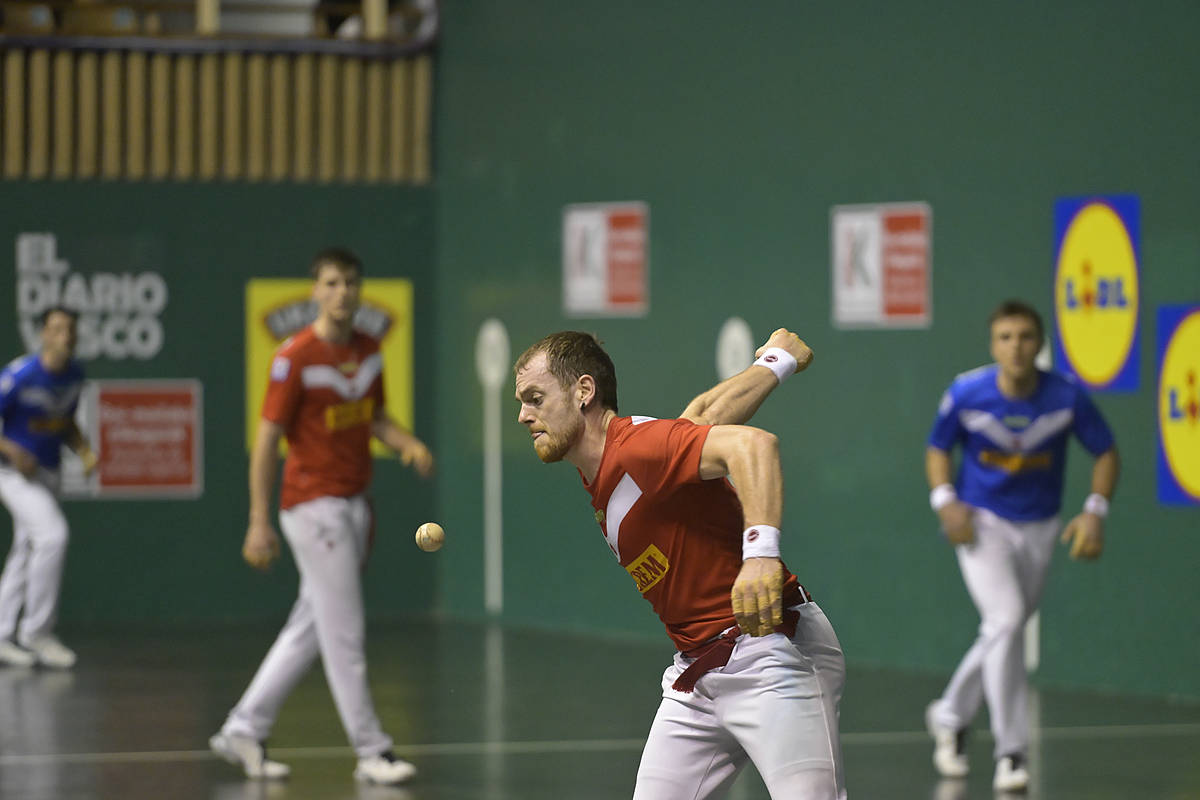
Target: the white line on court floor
(571, 746)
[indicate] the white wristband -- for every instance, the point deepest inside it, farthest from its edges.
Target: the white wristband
(779, 361)
(942, 496)
(760, 541)
(1097, 504)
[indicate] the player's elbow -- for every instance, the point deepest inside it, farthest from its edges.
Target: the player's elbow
(761, 442)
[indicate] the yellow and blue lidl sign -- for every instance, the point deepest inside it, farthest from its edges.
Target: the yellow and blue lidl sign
(1179, 405)
(1096, 290)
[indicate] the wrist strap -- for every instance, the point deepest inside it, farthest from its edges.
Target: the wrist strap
(942, 496)
(1097, 504)
(779, 361)
(760, 541)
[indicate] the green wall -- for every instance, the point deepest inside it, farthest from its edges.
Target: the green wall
(179, 560)
(740, 126)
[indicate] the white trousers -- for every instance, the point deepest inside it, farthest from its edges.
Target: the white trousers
(775, 704)
(1005, 572)
(329, 540)
(32, 574)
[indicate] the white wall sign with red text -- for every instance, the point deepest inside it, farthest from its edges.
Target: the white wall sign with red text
(606, 265)
(882, 259)
(148, 436)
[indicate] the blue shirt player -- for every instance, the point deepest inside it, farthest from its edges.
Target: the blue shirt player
(1013, 422)
(38, 397)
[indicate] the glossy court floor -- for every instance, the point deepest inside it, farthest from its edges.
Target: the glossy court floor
(500, 714)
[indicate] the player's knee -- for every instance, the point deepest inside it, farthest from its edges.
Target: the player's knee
(810, 782)
(52, 534)
(1005, 625)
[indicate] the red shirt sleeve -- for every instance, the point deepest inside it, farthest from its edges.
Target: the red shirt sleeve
(283, 390)
(664, 454)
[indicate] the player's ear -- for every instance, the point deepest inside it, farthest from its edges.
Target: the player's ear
(585, 390)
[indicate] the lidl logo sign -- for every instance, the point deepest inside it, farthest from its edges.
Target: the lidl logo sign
(1179, 405)
(1096, 290)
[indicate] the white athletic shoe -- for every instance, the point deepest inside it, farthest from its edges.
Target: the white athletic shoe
(1011, 775)
(50, 652)
(13, 655)
(384, 769)
(949, 747)
(250, 755)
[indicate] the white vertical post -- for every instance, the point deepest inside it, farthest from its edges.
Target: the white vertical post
(735, 348)
(491, 365)
(1033, 628)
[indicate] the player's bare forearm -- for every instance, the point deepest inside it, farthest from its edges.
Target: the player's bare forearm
(954, 516)
(8, 448)
(412, 451)
(79, 445)
(392, 433)
(73, 437)
(937, 467)
(264, 463)
(735, 400)
(1105, 472)
(750, 457)
(21, 459)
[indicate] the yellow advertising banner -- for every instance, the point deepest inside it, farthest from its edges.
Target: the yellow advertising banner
(278, 308)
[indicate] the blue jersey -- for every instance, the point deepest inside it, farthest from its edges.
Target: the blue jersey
(1014, 451)
(38, 406)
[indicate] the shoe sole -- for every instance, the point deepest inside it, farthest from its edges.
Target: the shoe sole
(17, 664)
(231, 757)
(362, 778)
(1015, 786)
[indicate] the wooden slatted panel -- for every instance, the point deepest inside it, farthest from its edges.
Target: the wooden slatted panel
(160, 116)
(210, 116)
(39, 114)
(422, 102)
(376, 100)
(232, 164)
(327, 116)
(111, 110)
(64, 115)
(135, 116)
(263, 117)
(256, 117)
(281, 106)
(304, 67)
(14, 113)
(185, 117)
(398, 116)
(374, 15)
(87, 115)
(351, 116)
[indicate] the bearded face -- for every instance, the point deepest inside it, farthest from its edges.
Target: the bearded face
(548, 411)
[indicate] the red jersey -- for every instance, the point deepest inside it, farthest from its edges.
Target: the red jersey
(679, 537)
(325, 395)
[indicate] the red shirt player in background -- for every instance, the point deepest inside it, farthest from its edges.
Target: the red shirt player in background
(326, 396)
(759, 672)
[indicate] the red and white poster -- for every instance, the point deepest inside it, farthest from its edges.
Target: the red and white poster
(149, 439)
(606, 260)
(882, 260)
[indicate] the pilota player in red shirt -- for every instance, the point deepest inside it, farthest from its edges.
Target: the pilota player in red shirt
(326, 396)
(759, 672)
